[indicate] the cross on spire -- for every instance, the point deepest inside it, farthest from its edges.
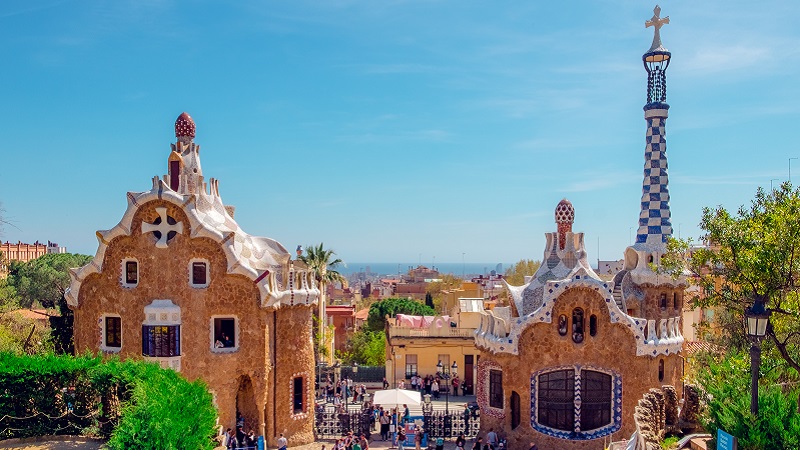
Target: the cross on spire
(162, 228)
(656, 22)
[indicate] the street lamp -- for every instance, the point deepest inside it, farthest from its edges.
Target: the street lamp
(445, 373)
(757, 317)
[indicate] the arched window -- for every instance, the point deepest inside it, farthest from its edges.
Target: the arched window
(650, 259)
(571, 403)
(593, 325)
(663, 301)
(661, 369)
(577, 325)
(562, 325)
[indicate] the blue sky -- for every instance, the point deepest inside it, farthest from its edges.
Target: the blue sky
(392, 130)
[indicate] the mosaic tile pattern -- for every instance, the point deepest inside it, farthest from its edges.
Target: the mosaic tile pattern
(654, 218)
(577, 434)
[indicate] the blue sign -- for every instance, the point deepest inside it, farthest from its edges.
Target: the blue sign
(725, 441)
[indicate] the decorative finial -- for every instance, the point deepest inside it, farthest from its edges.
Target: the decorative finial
(184, 128)
(656, 22)
(565, 216)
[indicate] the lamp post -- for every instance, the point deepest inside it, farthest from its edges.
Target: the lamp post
(757, 317)
(445, 373)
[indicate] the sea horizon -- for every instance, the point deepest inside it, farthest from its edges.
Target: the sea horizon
(457, 269)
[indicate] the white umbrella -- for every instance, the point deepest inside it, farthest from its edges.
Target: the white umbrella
(396, 397)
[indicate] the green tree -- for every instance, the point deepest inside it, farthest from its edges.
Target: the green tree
(43, 281)
(366, 347)
(322, 263)
(378, 311)
(725, 379)
(751, 255)
(515, 275)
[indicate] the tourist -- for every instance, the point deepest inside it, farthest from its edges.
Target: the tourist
(339, 445)
(456, 382)
(355, 444)
(418, 438)
(467, 414)
(491, 439)
(401, 384)
(401, 439)
(478, 443)
(232, 444)
(282, 442)
(385, 383)
(250, 441)
(384, 420)
(362, 440)
(439, 443)
(461, 441)
(435, 388)
(413, 382)
(406, 414)
(226, 438)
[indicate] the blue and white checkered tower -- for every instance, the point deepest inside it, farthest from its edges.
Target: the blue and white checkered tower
(654, 218)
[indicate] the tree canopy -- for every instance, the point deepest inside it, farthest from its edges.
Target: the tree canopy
(322, 262)
(515, 275)
(752, 254)
(391, 306)
(44, 280)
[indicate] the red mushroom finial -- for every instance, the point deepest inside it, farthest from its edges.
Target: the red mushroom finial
(184, 126)
(565, 216)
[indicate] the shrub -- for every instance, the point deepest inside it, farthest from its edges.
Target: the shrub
(138, 404)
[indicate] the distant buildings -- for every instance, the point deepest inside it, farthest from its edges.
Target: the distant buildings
(25, 252)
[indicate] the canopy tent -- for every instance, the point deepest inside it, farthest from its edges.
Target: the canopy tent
(396, 397)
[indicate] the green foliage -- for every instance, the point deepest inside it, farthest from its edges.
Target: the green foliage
(669, 442)
(43, 281)
(726, 381)
(321, 262)
(515, 275)
(753, 254)
(391, 306)
(366, 348)
(138, 404)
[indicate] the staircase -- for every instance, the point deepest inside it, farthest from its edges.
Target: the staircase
(617, 293)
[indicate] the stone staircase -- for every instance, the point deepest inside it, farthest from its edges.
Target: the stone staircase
(617, 293)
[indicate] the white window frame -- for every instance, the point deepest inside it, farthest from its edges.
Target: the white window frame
(102, 324)
(236, 334)
(191, 273)
(123, 279)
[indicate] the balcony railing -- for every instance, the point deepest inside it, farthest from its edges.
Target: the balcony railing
(431, 332)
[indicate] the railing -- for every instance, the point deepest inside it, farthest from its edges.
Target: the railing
(332, 425)
(444, 425)
(431, 332)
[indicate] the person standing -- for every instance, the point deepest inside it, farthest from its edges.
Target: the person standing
(385, 383)
(461, 441)
(418, 438)
(401, 439)
(478, 443)
(282, 442)
(384, 420)
(492, 439)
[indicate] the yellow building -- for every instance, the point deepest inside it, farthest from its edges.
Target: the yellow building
(416, 344)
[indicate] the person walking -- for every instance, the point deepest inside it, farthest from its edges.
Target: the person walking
(418, 438)
(461, 441)
(384, 420)
(478, 443)
(282, 442)
(492, 439)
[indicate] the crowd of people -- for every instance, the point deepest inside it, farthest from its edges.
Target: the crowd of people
(434, 385)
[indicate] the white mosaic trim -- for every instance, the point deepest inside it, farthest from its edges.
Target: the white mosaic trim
(307, 396)
(261, 259)
(670, 341)
(484, 368)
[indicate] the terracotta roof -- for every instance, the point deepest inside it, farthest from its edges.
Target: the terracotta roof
(695, 347)
(362, 314)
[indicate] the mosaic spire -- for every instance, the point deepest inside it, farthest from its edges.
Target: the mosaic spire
(654, 219)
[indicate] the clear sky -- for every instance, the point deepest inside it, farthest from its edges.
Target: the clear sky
(392, 130)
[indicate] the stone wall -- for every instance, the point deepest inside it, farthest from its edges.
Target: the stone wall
(542, 347)
(242, 376)
(657, 414)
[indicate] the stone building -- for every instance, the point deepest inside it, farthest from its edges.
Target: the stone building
(177, 281)
(25, 252)
(568, 369)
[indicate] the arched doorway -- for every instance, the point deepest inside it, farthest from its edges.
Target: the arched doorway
(246, 410)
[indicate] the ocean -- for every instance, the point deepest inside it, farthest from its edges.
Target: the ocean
(457, 269)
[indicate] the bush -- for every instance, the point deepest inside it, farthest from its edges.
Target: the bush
(727, 385)
(137, 404)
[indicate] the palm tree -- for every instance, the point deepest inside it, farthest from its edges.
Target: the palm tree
(320, 261)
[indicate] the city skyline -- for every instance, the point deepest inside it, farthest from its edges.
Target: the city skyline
(399, 131)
